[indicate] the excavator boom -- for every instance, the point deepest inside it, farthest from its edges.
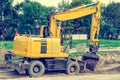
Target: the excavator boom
(84, 10)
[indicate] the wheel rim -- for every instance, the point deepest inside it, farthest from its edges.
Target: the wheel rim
(73, 69)
(36, 69)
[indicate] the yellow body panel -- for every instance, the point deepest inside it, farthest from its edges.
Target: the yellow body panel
(21, 46)
(31, 47)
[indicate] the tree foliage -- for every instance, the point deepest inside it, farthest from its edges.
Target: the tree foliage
(111, 17)
(112, 14)
(76, 25)
(63, 5)
(32, 14)
(28, 15)
(8, 19)
(80, 2)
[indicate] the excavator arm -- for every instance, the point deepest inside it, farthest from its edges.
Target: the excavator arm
(84, 10)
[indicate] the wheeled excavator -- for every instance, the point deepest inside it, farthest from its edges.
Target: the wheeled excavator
(45, 52)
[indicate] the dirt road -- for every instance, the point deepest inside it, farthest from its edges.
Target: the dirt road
(104, 73)
(61, 76)
(109, 71)
(79, 77)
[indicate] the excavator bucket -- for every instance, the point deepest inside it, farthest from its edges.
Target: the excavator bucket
(91, 61)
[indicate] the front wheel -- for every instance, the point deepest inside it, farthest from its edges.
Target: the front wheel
(72, 68)
(36, 69)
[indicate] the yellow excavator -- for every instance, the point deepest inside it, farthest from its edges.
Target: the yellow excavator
(45, 52)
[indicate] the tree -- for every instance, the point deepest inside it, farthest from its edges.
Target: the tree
(31, 15)
(107, 31)
(80, 2)
(8, 19)
(63, 5)
(81, 25)
(76, 25)
(111, 17)
(111, 14)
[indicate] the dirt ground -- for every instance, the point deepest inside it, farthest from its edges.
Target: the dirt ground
(109, 70)
(12, 75)
(79, 77)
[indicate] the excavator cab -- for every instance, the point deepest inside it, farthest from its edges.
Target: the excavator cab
(44, 32)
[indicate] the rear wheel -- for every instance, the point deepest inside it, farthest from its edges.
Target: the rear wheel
(36, 69)
(72, 68)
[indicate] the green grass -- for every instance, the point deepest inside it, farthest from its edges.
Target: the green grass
(16, 58)
(1, 60)
(6, 44)
(109, 43)
(103, 43)
(76, 54)
(102, 52)
(82, 53)
(75, 42)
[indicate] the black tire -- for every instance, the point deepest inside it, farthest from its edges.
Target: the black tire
(36, 69)
(73, 68)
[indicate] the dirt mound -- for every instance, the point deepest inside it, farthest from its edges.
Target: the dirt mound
(116, 69)
(112, 57)
(107, 63)
(110, 69)
(2, 53)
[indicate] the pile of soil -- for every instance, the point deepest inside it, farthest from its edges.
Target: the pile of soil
(108, 63)
(114, 70)
(2, 53)
(111, 57)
